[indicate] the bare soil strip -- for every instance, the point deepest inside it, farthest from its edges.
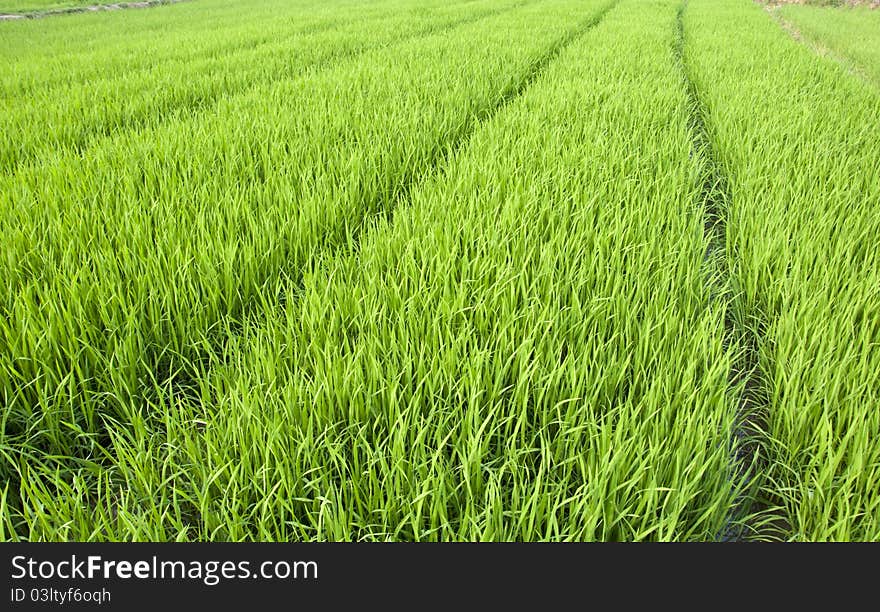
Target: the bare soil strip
(95, 8)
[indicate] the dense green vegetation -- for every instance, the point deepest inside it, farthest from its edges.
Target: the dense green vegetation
(852, 34)
(115, 44)
(404, 269)
(799, 140)
(57, 119)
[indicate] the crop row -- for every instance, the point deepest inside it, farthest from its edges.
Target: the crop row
(50, 52)
(568, 270)
(118, 265)
(852, 34)
(799, 142)
(527, 348)
(39, 127)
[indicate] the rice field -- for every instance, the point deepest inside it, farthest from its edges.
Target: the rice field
(852, 35)
(418, 270)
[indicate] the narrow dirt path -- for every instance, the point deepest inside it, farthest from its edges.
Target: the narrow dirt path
(95, 8)
(873, 4)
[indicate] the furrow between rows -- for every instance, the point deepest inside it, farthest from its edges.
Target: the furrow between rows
(798, 141)
(747, 445)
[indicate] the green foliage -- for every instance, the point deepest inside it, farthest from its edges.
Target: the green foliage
(852, 35)
(798, 138)
(419, 271)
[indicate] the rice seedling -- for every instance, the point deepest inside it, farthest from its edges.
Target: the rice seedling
(46, 53)
(798, 139)
(524, 346)
(127, 265)
(851, 34)
(72, 117)
(405, 270)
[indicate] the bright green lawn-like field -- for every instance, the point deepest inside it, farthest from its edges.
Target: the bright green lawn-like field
(421, 270)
